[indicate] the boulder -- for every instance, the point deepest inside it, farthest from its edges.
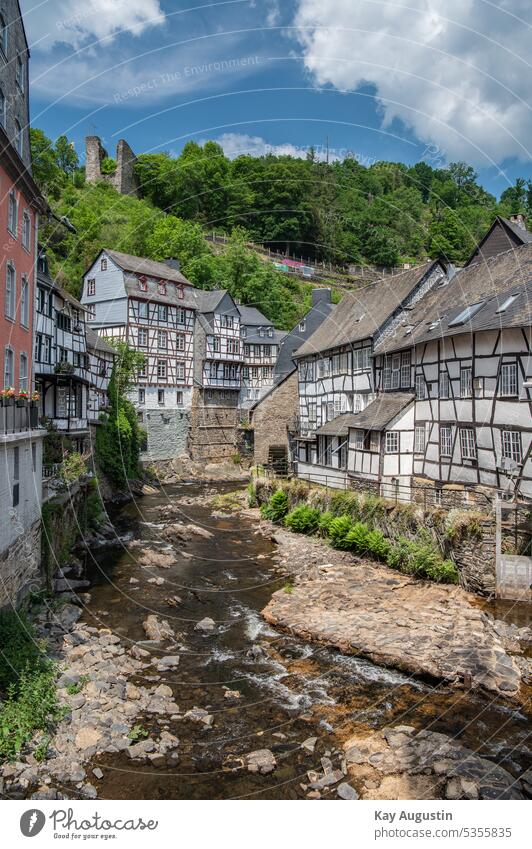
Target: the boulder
(157, 629)
(206, 625)
(262, 761)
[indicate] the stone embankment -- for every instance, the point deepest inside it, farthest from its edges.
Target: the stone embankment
(363, 608)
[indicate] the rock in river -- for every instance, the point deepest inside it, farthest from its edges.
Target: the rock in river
(157, 629)
(207, 625)
(262, 761)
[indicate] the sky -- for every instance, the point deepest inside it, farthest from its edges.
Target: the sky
(401, 80)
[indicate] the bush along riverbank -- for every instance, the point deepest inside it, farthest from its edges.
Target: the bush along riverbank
(350, 522)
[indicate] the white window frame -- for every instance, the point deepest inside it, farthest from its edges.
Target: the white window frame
(406, 364)
(509, 382)
(26, 230)
(9, 360)
(142, 396)
(358, 440)
(23, 374)
(180, 370)
(421, 387)
(160, 397)
(162, 340)
(91, 287)
(466, 382)
(142, 337)
(19, 139)
(162, 312)
(511, 445)
(468, 447)
(446, 441)
(12, 213)
(162, 369)
(391, 442)
(179, 398)
(444, 385)
(11, 291)
(420, 438)
(180, 341)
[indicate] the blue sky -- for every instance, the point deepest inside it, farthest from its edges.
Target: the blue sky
(405, 80)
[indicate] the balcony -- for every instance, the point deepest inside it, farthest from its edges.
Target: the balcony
(221, 383)
(18, 418)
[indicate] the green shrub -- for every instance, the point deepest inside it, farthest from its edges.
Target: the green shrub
(20, 650)
(345, 504)
(30, 706)
(72, 468)
(339, 528)
(357, 538)
(138, 732)
(252, 495)
(277, 507)
(377, 545)
(444, 572)
(303, 519)
(324, 523)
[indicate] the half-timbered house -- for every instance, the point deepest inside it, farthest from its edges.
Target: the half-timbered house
(335, 365)
(101, 361)
(504, 234)
(469, 344)
(61, 362)
(151, 306)
(218, 359)
(260, 341)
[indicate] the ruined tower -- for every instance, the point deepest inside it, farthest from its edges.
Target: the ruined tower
(123, 178)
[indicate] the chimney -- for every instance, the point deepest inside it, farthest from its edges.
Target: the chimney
(173, 263)
(321, 296)
(518, 220)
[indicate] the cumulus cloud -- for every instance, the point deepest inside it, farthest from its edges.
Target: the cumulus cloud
(241, 144)
(454, 71)
(74, 22)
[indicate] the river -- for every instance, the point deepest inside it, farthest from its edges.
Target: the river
(291, 690)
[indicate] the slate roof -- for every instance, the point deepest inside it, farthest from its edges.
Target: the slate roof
(252, 317)
(150, 267)
(152, 293)
(380, 412)
(338, 426)
(489, 282)
(257, 339)
(525, 236)
(95, 342)
(322, 308)
(361, 313)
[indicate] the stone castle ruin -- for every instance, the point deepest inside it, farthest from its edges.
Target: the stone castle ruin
(123, 178)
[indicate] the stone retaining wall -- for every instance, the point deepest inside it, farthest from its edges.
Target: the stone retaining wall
(20, 567)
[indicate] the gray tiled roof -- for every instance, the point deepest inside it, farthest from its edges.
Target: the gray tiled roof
(96, 342)
(380, 412)
(362, 312)
(150, 267)
(321, 309)
(251, 316)
(338, 426)
(490, 281)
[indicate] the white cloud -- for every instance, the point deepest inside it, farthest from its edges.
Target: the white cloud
(455, 71)
(74, 22)
(240, 144)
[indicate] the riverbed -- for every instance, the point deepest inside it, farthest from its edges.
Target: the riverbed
(290, 690)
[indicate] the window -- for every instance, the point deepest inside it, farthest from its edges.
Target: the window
(143, 285)
(392, 442)
(227, 321)
(361, 359)
(405, 369)
(466, 314)
(507, 303)
(359, 440)
(312, 412)
(357, 402)
(421, 387)
(161, 288)
(233, 346)
(2, 108)
(181, 316)
(10, 291)
(162, 340)
(103, 264)
(330, 411)
(179, 398)
(12, 214)
(19, 139)
(180, 342)
(438, 493)
(63, 321)
(23, 373)
(9, 368)
(161, 369)
(143, 309)
(180, 371)
(419, 439)
(162, 310)
(511, 445)
(374, 440)
(20, 72)
(466, 384)
(339, 404)
(180, 292)
(91, 287)
(63, 355)
(444, 385)
(91, 311)
(143, 370)
(24, 301)
(215, 344)
(47, 358)
(467, 443)
(446, 441)
(143, 337)
(38, 347)
(160, 397)
(302, 326)
(508, 379)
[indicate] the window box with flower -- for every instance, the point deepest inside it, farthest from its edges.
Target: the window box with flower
(7, 396)
(64, 368)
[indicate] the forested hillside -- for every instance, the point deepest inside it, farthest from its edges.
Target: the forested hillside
(340, 212)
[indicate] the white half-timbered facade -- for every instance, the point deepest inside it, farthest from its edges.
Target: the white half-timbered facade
(101, 361)
(218, 346)
(261, 342)
(335, 366)
(61, 361)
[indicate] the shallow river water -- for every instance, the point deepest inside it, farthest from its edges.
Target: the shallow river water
(295, 690)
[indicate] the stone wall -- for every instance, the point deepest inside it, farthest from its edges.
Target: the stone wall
(213, 426)
(168, 432)
(365, 485)
(272, 418)
(20, 567)
(450, 495)
(123, 179)
(64, 523)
